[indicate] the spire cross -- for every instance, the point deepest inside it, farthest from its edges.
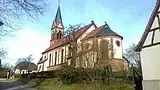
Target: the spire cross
(58, 2)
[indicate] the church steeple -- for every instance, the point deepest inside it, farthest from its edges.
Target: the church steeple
(58, 18)
(57, 29)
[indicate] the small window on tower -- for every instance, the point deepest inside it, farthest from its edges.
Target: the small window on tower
(118, 43)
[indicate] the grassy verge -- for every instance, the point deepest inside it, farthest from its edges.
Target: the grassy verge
(54, 84)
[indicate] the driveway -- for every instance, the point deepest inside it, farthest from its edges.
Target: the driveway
(14, 85)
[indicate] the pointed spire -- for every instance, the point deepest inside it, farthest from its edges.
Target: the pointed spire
(58, 2)
(106, 24)
(58, 17)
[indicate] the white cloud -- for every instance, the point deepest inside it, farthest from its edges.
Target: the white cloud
(27, 42)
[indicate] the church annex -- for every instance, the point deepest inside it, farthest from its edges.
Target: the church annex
(95, 47)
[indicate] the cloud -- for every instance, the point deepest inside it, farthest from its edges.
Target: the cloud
(27, 41)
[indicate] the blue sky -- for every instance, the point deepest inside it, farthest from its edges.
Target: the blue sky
(126, 17)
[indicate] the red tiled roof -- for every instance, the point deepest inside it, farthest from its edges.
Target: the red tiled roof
(56, 44)
(69, 37)
(144, 36)
(102, 30)
(94, 32)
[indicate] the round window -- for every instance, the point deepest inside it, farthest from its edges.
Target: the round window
(118, 43)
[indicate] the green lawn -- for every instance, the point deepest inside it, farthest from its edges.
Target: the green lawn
(52, 84)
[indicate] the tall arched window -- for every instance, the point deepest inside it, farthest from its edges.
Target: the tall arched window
(62, 59)
(104, 48)
(55, 58)
(50, 57)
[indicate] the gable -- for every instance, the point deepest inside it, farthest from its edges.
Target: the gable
(148, 38)
(86, 32)
(155, 23)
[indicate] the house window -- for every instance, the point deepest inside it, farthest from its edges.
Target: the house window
(62, 56)
(50, 59)
(55, 57)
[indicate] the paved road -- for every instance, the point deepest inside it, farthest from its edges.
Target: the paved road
(14, 85)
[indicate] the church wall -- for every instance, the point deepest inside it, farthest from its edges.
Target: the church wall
(85, 33)
(87, 59)
(45, 56)
(40, 67)
(150, 62)
(117, 49)
(118, 61)
(59, 58)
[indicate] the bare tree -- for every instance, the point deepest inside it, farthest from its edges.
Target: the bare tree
(71, 35)
(25, 59)
(12, 12)
(133, 56)
(2, 53)
(134, 59)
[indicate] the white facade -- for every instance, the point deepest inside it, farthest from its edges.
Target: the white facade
(149, 48)
(150, 58)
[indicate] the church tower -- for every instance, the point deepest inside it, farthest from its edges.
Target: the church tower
(57, 28)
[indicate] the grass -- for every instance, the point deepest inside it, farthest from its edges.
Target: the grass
(54, 84)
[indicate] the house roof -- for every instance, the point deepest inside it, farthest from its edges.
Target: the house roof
(26, 66)
(68, 38)
(151, 20)
(102, 30)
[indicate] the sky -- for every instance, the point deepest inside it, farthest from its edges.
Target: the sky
(126, 17)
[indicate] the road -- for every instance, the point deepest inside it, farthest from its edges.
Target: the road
(14, 85)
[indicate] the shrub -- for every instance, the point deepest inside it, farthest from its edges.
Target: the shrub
(17, 75)
(69, 75)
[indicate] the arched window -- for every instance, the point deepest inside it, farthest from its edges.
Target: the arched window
(50, 57)
(118, 43)
(55, 58)
(104, 48)
(69, 51)
(57, 35)
(62, 59)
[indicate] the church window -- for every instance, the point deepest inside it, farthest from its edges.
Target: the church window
(55, 57)
(57, 35)
(50, 60)
(69, 51)
(62, 61)
(118, 43)
(104, 48)
(60, 36)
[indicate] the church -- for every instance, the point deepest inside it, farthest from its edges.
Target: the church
(90, 46)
